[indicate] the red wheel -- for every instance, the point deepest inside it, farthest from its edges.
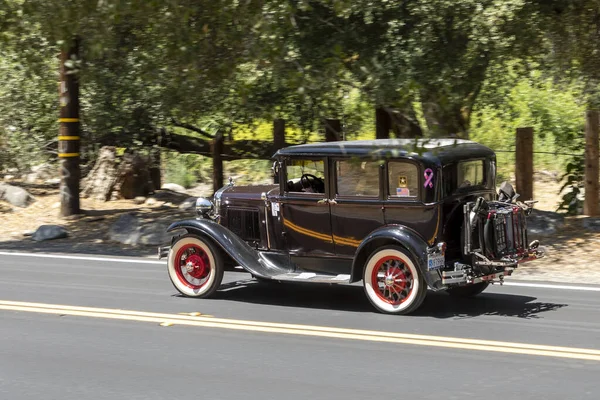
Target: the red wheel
(392, 282)
(194, 266)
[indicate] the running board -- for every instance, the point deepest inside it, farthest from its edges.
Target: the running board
(311, 277)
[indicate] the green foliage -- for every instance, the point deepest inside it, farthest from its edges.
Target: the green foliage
(181, 169)
(28, 101)
(554, 110)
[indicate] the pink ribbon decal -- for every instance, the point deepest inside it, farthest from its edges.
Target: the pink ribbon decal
(428, 178)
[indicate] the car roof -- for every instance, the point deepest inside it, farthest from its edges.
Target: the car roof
(431, 151)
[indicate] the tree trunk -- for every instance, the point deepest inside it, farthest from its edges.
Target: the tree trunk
(333, 130)
(445, 118)
(278, 134)
(592, 131)
(382, 123)
(405, 125)
(111, 179)
(68, 139)
(155, 168)
(217, 162)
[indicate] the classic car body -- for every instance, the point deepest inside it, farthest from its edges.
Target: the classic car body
(403, 216)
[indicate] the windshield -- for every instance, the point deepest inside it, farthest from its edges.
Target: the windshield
(464, 176)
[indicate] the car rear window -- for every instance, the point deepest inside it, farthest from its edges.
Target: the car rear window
(463, 176)
(403, 180)
(470, 173)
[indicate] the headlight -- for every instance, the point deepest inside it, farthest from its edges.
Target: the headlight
(203, 206)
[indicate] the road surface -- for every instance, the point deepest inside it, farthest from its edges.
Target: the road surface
(106, 328)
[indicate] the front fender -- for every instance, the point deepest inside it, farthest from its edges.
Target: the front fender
(404, 237)
(231, 243)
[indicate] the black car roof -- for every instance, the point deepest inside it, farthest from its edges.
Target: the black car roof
(436, 151)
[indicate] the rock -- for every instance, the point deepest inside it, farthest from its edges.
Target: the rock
(28, 233)
(125, 230)
(49, 232)
(9, 177)
(139, 200)
(188, 204)
(15, 195)
(592, 224)
(42, 172)
(150, 202)
(129, 229)
(155, 234)
(544, 222)
(53, 181)
(174, 187)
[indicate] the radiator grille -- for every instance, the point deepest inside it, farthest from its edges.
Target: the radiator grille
(244, 223)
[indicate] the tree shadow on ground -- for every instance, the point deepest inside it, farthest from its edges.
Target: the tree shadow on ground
(352, 298)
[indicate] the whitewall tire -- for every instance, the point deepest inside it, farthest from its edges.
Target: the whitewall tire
(195, 266)
(392, 282)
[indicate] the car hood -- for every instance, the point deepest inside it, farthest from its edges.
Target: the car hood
(252, 192)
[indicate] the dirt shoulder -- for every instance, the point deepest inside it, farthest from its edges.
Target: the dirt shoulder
(573, 251)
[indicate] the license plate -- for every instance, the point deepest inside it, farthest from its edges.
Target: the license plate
(435, 261)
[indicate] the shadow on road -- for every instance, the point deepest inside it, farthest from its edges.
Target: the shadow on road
(352, 298)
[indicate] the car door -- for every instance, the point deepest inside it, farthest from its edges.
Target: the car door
(356, 207)
(305, 209)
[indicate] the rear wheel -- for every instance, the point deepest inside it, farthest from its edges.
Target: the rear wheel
(392, 282)
(195, 266)
(469, 290)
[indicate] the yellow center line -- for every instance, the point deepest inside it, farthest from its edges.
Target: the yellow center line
(166, 319)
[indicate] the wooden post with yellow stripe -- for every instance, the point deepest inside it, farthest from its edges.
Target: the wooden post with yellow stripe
(68, 137)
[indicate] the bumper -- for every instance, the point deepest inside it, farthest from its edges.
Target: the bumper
(163, 251)
(464, 274)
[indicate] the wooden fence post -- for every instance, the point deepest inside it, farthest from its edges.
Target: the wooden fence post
(383, 123)
(524, 163)
(333, 130)
(592, 122)
(218, 161)
(279, 133)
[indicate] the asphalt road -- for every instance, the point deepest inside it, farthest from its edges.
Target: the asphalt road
(47, 351)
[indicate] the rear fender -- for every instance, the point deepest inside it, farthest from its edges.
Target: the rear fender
(398, 235)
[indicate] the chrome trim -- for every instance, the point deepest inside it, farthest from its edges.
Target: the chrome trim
(263, 197)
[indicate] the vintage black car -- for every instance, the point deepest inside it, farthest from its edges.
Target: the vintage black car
(402, 215)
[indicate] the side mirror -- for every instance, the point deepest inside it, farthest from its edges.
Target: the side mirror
(275, 170)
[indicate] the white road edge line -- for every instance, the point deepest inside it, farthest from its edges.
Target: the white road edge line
(85, 258)
(142, 261)
(552, 286)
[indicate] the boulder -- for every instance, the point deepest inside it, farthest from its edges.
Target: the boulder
(188, 204)
(42, 172)
(592, 224)
(16, 196)
(125, 230)
(131, 230)
(544, 222)
(174, 187)
(49, 232)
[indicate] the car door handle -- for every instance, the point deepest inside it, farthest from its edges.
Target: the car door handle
(332, 201)
(323, 201)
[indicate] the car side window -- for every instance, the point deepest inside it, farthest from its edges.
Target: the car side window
(403, 179)
(357, 178)
(305, 176)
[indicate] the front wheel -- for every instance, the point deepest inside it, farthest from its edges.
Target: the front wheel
(392, 282)
(195, 266)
